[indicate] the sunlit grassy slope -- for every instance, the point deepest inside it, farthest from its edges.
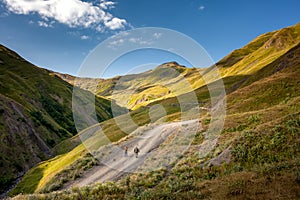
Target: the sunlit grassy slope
(134, 91)
(261, 130)
(260, 52)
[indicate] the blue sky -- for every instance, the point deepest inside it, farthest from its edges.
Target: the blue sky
(59, 34)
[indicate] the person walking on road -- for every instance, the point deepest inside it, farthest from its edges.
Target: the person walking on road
(136, 151)
(126, 151)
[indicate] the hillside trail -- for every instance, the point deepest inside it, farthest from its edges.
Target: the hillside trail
(159, 145)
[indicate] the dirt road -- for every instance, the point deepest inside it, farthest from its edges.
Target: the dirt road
(159, 146)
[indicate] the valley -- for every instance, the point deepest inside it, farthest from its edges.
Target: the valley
(248, 149)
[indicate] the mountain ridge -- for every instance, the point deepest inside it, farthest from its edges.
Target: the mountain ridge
(167, 74)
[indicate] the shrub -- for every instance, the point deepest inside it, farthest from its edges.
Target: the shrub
(254, 119)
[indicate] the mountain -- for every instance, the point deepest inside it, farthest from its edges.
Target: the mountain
(35, 115)
(136, 90)
(256, 155)
(170, 79)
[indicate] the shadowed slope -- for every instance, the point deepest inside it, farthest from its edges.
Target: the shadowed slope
(35, 114)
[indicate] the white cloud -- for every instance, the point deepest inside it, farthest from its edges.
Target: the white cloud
(201, 8)
(74, 13)
(84, 37)
(140, 40)
(118, 42)
(121, 34)
(115, 23)
(125, 38)
(107, 4)
(157, 35)
(134, 40)
(44, 24)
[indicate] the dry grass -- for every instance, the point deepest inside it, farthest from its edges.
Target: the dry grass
(249, 185)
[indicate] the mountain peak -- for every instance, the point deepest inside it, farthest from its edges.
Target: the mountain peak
(169, 64)
(172, 64)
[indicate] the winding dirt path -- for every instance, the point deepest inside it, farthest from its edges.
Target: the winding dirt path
(114, 163)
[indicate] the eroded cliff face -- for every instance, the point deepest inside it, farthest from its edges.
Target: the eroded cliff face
(21, 145)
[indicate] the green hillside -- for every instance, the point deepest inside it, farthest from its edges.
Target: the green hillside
(136, 90)
(256, 156)
(261, 51)
(35, 115)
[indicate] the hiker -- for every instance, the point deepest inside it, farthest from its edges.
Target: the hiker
(136, 151)
(126, 151)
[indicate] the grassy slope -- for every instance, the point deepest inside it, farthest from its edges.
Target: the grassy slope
(136, 90)
(249, 109)
(35, 115)
(262, 51)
